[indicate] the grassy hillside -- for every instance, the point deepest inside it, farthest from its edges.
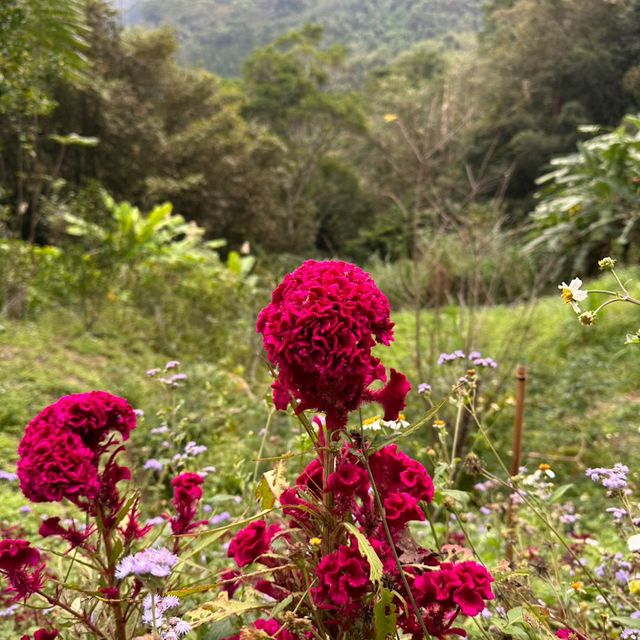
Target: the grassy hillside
(218, 34)
(582, 402)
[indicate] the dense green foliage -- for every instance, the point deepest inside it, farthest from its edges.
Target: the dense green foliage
(219, 35)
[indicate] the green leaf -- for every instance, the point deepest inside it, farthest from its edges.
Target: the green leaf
(368, 552)
(384, 616)
(273, 483)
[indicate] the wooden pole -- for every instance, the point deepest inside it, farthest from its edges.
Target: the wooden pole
(516, 456)
(521, 382)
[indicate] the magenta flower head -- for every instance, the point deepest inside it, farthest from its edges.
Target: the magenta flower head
(319, 331)
(20, 563)
(59, 454)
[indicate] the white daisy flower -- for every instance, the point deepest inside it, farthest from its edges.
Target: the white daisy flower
(572, 293)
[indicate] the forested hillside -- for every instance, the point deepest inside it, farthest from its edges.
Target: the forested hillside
(219, 34)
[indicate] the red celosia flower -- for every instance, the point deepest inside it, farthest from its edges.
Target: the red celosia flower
(452, 589)
(55, 464)
(343, 579)
(187, 491)
(230, 580)
(42, 634)
(134, 530)
(349, 479)
(274, 629)
(74, 536)
(311, 477)
(319, 330)
(93, 416)
(20, 563)
(251, 542)
(394, 471)
(393, 396)
(300, 511)
(569, 634)
(401, 508)
(61, 448)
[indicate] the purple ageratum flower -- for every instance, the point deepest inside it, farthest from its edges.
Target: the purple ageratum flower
(617, 513)
(156, 521)
(160, 430)
(423, 388)
(622, 576)
(179, 628)
(192, 449)
(25, 509)
(9, 611)
(153, 372)
(150, 562)
(443, 358)
(139, 413)
(153, 465)
(613, 479)
(635, 615)
(172, 364)
(487, 363)
(220, 518)
(630, 634)
(155, 606)
(174, 380)
(8, 476)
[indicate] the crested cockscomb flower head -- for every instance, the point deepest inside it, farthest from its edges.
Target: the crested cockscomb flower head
(343, 580)
(251, 542)
(319, 331)
(57, 465)
(42, 634)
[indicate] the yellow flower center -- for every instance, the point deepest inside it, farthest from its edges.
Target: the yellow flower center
(576, 586)
(567, 295)
(315, 542)
(544, 467)
(369, 421)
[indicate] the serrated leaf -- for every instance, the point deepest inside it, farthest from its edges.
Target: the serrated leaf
(384, 616)
(367, 552)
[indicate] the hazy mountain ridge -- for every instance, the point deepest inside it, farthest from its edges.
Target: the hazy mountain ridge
(219, 34)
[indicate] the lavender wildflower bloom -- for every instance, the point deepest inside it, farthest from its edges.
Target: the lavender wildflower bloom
(155, 606)
(220, 517)
(156, 521)
(153, 372)
(613, 479)
(172, 364)
(617, 513)
(485, 362)
(207, 508)
(160, 430)
(150, 562)
(423, 388)
(192, 449)
(180, 627)
(635, 615)
(173, 380)
(630, 634)
(9, 611)
(153, 465)
(25, 509)
(449, 357)
(139, 413)
(8, 476)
